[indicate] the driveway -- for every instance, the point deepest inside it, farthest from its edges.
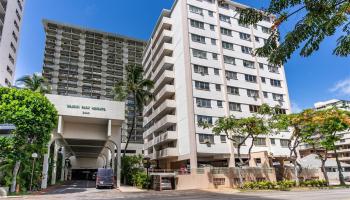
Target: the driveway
(84, 190)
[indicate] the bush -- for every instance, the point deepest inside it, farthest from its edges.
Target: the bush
(282, 185)
(313, 183)
(141, 180)
(130, 166)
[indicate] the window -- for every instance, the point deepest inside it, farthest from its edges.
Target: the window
(249, 64)
(280, 111)
(18, 15)
(224, 18)
(199, 54)
(266, 94)
(202, 85)
(277, 97)
(266, 19)
(197, 24)
(210, 13)
(273, 141)
(198, 38)
(196, 10)
(254, 108)
(9, 70)
(14, 36)
(244, 36)
(218, 87)
(263, 79)
(265, 30)
(253, 93)
(246, 50)
(284, 142)
(250, 78)
(7, 82)
(203, 103)
(275, 83)
(201, 69)
(11, 59)
(227, 45)
(257, 39)
(202, 118)
(234, 106)
(212, 27)
(238, 140)
(260, 142)
(233, 90)
(231, 75)
(273, 69)
(13, 47)
(243, 25)
(225, 31)
(223, 5)
(215, 56)
(255, 26)
(223, 138)
(261, 66)
(219, 104)
(229, 60)
(19, 5)
(213, 41)
(16, 25)
(216, 72)
(206, 139)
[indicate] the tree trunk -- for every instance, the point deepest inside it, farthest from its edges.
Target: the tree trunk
(296, 174)
(323, 167)
(14, 176)
(132, 127)
(340, 170)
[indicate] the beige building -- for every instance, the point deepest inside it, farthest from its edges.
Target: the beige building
(201, 61)
(88, 137)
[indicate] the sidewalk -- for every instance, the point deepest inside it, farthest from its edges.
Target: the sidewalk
(127, 188)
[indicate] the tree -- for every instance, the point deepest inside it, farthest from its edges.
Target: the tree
(320, 19)
(35, 118)
(35, 83)
(239, 130)
(138, 89)
(329, 123)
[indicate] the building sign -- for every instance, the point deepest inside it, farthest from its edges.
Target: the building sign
(86, 109)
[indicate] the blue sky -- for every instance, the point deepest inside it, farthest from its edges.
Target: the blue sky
(316, 78)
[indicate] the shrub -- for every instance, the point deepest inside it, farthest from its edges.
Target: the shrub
(141, 180)
(313, 183)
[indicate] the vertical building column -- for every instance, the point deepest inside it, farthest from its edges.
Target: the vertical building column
(45, 168)
(54, 164)
(63, 164)
(119, 146)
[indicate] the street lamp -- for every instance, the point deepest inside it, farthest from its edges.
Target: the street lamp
(34, 156)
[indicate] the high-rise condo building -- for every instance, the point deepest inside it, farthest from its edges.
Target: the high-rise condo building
(11, 14)
(201, 61)
(87, 63)
(343, 145)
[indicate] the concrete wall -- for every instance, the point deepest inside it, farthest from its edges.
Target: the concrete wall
(85, 131)
(86, 163)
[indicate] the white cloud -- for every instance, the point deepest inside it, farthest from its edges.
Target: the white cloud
(342, 87)
(295, 107)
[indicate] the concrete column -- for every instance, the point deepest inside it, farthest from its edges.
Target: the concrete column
(54, 164)
(119, 146)
(63, 164)
(45, 168)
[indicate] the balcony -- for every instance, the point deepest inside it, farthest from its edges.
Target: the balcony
(168, 152)
(166, 78)
(165, 36)
(165, 137)
(162, 124)
(148, 144)
(165, 64)
(3, 5)
(165, 23)
(166, 93)
(165, 107)
(165, 49)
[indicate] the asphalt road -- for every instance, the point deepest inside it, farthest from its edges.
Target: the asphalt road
(82, 190)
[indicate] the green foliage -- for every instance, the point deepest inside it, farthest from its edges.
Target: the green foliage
(130, 166)
(313, 183)
(316, 21)
(141, 180)
(35, 83)
(282, 185)
(35, 118)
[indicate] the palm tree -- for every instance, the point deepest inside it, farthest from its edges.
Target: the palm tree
(35, 83)
(138, 89)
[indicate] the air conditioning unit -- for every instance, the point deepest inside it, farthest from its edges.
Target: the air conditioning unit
(202, 73)
(207, 141)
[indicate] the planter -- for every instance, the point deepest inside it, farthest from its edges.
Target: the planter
(4, 191)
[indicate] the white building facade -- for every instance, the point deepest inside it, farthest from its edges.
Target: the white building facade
(11, 14)
(201, 61)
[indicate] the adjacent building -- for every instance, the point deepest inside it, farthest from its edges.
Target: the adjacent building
(201, 61)
(343, 145)
(82, 62)
(11, 14)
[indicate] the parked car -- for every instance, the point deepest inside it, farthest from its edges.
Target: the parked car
(166, 184)
(104, 178)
